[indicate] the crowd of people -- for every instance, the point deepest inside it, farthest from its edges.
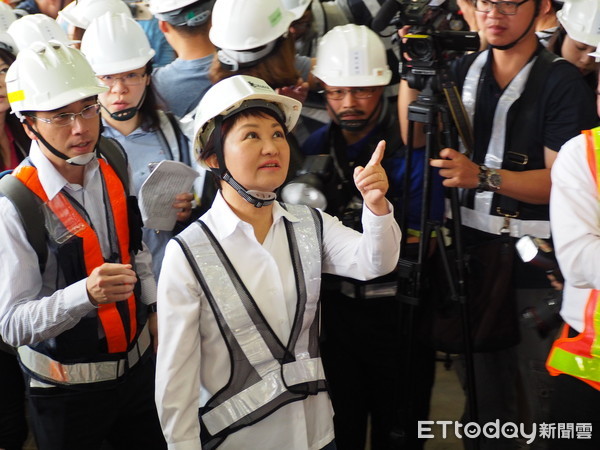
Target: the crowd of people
(347, 218)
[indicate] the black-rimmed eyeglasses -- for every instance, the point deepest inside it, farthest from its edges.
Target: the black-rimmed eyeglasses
(506, 8)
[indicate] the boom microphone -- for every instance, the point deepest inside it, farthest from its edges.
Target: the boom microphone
(385, 15)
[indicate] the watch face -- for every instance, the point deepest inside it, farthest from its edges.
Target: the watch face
(495, 179)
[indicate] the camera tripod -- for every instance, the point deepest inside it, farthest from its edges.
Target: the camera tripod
(429, 108)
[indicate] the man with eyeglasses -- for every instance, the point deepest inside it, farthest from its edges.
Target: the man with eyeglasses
(78, 295)
(524, 103)
(362, 348)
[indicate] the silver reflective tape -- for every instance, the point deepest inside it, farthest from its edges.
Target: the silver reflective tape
(493, 224)
(230, 304)
(261, 393)
(82, 373)
(244, 403)
(140, 348)
(307, 239)
(303, 371)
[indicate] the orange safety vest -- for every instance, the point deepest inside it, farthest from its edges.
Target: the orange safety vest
(110, 318)
(579, 356)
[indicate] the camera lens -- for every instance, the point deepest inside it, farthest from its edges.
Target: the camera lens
(420, 49)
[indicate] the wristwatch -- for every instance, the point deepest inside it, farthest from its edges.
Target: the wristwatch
(489, 179)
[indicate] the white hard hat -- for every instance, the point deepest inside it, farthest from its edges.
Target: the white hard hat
(36, 28)
(232, 94)
(581, 20)
(50, 76)
(248, 24)
(163, 6)
(7, 16)
(297, 7)
(352, 55)
(183, 12)
(115, 43)
(81, 13)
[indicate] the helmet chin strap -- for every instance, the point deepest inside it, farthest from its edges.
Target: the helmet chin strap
(128, 113)
(79, 160)
(256, 198)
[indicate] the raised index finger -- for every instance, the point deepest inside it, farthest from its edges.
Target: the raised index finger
(377, 155)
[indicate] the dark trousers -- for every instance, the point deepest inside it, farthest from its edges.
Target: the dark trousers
(13, 425)
(575, 402)
(367, 373)
(123, 415)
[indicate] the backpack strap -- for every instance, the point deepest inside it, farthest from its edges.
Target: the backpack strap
(28, 207)
(116, 157)
(182, 140)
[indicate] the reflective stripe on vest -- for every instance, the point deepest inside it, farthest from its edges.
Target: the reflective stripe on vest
(55, 372)
(579, 356)
(238, 317)
(109, 316)
(481, 217)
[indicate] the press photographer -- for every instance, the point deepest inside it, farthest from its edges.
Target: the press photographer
(362, 348)
(523, 103)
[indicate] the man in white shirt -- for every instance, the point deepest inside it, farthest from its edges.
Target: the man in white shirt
(77, 310)
(573, 359)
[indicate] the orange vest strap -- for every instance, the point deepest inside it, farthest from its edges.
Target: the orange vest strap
(109, 315)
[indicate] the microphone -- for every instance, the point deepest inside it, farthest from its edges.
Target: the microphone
(384, 16)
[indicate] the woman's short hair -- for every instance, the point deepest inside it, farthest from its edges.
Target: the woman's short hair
(209, 149)
(277, 69)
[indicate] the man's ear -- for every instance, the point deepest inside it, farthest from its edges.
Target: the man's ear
(163, 26)
(28, 122)
(545, 7)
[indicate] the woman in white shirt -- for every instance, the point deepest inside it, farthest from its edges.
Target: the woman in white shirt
(239, 289)
(119, 52)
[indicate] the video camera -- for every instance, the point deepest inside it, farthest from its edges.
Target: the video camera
(437, 33)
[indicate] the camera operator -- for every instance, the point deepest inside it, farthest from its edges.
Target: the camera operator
(362, 345)
(524, 104)
(575, 213)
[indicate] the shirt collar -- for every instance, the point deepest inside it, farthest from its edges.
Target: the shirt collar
(112, 132)
(228, 221)
(50, 178)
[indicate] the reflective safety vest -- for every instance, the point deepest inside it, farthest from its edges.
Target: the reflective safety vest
(487, 211)
(118, 321)
(579, 356)
(266, 374)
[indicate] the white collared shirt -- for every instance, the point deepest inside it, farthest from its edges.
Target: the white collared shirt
(32, 307)
(575, 219)
(192, 353)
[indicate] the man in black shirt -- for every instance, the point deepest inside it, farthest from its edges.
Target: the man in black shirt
(524, 104)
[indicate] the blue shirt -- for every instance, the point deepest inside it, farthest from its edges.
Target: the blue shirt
(182, 84)
(395, 167)
(144, 148)
(164, 53)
